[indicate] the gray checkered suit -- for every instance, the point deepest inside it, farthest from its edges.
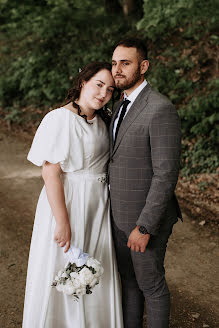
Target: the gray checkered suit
(143, 172)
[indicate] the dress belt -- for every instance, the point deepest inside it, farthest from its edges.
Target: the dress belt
(77, 176)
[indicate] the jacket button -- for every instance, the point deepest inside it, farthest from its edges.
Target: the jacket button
(111, 160)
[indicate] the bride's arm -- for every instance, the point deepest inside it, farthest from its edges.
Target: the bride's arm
(51, 174)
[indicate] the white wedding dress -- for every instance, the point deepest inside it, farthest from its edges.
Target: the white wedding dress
(82, 150)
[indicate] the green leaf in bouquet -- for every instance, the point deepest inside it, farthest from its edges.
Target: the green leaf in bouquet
(54, 284)
(88, 290)
(91, 269)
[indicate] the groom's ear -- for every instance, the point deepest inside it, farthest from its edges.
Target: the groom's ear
(144, 66)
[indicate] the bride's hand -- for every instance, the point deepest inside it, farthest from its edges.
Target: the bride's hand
(62, 235)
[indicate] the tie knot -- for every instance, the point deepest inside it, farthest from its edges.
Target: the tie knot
(125, 102)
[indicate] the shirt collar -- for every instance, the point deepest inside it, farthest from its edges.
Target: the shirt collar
(136, 92)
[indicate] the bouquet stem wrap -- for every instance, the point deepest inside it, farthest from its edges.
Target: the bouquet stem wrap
(75, 255)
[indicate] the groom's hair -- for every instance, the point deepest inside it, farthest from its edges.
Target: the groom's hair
(139, 44)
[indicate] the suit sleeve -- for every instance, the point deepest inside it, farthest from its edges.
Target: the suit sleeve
(165, 143)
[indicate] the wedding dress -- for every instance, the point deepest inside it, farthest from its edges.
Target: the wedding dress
(82, 150)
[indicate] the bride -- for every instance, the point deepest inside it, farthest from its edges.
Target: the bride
(72, 146)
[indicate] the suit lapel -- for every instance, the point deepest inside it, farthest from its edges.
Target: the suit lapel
(115, 112)
(138, 105)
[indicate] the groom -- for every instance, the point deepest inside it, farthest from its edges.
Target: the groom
(143, 170)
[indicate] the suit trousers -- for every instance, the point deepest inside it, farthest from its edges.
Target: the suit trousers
(143, 280)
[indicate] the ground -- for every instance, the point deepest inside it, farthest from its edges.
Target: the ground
(192, 255)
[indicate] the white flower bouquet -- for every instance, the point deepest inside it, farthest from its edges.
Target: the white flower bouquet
(80, 275)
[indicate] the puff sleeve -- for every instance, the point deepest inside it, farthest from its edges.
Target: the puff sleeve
(51, 141)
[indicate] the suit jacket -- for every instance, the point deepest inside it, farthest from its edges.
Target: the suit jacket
(144, 164)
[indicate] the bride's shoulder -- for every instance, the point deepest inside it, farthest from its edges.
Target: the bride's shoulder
(57, 112)
(57, 115)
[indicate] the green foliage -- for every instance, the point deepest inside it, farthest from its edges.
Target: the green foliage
(199, 157)
(200, 126)
(163, 16)
(45, 42)
(199, 116)
(184, 66)
(52, 40)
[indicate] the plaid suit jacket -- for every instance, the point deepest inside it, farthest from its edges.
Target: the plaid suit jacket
(144, 164)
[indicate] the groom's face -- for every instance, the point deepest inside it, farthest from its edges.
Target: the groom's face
(126, 68)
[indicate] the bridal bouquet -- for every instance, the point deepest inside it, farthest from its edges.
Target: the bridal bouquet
(80, 275)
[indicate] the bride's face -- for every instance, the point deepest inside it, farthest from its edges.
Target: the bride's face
(96, 92)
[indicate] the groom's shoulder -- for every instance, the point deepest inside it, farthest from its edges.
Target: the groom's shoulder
(156, 98)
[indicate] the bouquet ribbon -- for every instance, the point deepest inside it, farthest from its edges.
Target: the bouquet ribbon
(75, 255)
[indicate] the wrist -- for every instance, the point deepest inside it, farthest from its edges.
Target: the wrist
(143, 230)
(62, 221)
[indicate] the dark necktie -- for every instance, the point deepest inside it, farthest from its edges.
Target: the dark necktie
(122, 114)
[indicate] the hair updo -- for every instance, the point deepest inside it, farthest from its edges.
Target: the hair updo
(85, 75)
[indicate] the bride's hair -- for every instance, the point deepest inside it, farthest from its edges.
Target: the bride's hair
(85, 75)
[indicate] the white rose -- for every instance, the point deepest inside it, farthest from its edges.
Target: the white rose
(56, 278)
(99, 272)
(92, 262)
(93, 282)
(76, 283)
(69, 289)
(59, 287)
(85, 276)
(83, 291)
(78, 291)
(74, 275)
(64, 275)
(96, 266)
(60, 273)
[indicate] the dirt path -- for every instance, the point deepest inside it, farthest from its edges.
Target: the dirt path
(191, 262)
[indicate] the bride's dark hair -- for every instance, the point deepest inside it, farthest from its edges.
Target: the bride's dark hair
(85, 75)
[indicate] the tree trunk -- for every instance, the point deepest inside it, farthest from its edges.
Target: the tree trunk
(128, 6)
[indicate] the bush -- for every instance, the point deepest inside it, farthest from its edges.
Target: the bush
(165, 16)
(51, 40)
(45, 42)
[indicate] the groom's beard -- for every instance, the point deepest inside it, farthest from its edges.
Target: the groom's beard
(129, 83)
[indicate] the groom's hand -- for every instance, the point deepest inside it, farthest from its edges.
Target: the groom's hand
(137, 241)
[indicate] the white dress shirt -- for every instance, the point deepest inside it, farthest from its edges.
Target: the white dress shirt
(131, 98)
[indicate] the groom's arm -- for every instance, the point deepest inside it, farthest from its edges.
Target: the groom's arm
(165, 142)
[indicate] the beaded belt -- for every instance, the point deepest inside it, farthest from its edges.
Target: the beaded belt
(79, 176)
